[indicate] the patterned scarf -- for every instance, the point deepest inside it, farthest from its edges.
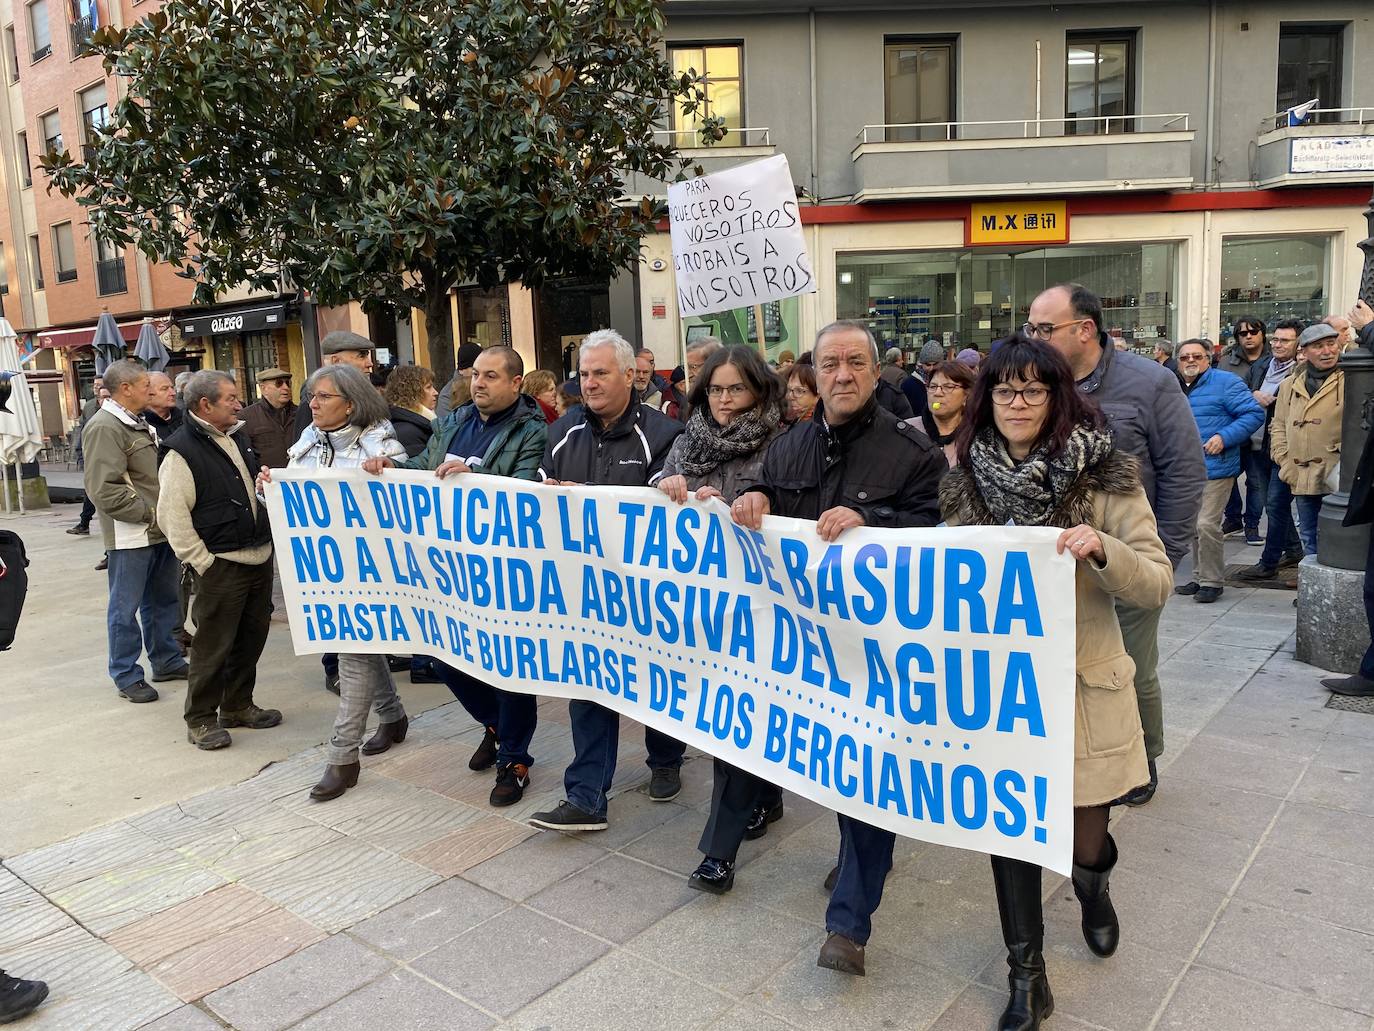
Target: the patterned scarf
(705, 444)
(1027, 493)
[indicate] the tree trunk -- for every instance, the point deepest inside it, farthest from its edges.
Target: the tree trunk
(439, 329)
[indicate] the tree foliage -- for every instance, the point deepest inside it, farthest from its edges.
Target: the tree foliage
(382, 151)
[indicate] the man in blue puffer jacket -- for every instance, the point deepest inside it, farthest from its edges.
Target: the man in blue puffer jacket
(1226, 414)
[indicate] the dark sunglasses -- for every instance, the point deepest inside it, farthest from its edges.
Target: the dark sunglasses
(1248, 332)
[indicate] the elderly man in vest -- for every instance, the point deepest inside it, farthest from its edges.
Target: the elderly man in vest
(215, 523)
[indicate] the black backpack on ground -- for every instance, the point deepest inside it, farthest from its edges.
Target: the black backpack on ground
(14, 584)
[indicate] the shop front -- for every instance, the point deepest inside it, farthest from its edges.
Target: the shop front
(77, 361)
(245, 338)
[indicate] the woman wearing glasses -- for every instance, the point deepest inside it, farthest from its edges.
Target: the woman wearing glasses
(801, 393)
(736, 405)
(1037, 453)
(947, 389)
(349, 424)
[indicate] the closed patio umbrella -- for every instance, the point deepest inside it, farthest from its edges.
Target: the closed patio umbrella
(108, 344)
(149, 349)
(20, 438)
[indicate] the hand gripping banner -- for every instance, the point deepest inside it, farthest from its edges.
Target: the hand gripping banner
(919, 680)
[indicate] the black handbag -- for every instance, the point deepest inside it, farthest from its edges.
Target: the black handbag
(14, 584)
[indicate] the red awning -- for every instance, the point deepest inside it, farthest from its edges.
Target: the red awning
(70, 339)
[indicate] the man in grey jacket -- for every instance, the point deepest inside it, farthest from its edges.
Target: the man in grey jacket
(1149, 418)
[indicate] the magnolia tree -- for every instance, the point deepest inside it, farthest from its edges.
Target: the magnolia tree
(383, 152)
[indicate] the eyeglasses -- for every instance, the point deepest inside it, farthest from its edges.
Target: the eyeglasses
(943, 388)
(322, 397)
(797, 391)
(1190, 358)
(734, 390)
(1044, 330)
(1033, 395)
(1247, 332)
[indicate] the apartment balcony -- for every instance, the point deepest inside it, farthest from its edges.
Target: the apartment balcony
(1020, 157)
(738, 147)
(1332, 146)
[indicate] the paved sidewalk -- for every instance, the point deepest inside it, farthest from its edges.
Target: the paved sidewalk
(408, 904)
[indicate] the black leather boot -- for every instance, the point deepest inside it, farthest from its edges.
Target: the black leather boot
(388, 734)
(1100, 928)
(1023, 930)
(336, 780)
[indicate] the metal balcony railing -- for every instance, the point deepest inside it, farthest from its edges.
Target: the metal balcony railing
(80, 29)
(109, 276)
(66, 275)
(1322, 116)
(1030, 128)
(690, 139)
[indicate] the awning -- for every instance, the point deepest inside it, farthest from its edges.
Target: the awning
(250, 317)
(70, 339)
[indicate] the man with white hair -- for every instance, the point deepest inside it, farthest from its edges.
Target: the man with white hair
(609, 439)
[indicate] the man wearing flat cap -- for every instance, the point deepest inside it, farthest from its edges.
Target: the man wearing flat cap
(340, 347)
(270, 421)
(1305, 438)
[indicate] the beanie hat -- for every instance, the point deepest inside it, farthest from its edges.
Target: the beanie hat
(931, 352)
(467, 355)
(969, 356)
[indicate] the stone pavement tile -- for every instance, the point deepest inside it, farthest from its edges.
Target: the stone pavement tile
(430, 919)
(621, 992)
(127, 1002)
(1212, 648)
(748, 1018)
(411, 824)
(372, 797)
(340, 883)
(1163, 913)
(194, 921)
(72, 961)
(443, 721)
(1177, 852)
(210, 964)
(235, 852)
(896, 994)
(788, 878)
(1293, 736)
(947, 924)
(118, 846)
(129, 893)
(1235, 813)
(185, 1018)
(182, 822)
(1305, 885)
(615, 898)
(980, 1007)
(1218, 767)
(633, 814)
(1310, 957)
(697, 774)
(440, 766)
(512, 959)
(1347, 754)
(25, 915)
(475, 843)
(673, 846)
(400, 1000)
(289, 776)
(279, 995)
(534, 864)
(1337, 789)
(1220, 1001)
(724, 942)
(1329, 833)
(1217, 677)
(1353, 724)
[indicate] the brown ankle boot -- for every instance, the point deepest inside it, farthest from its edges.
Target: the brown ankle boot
(388, 734)
(336, 780)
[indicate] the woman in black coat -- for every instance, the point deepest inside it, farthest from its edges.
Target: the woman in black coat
(411, 394)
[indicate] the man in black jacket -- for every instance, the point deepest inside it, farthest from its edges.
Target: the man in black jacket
(610, 439)
(854, 464)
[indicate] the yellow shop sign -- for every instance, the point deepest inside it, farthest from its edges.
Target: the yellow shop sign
(1017, 222)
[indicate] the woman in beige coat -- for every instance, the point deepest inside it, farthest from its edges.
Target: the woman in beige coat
(1036, 453)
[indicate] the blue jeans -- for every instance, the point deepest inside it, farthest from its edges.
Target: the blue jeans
(1309, 507)
(513, 715)
(1254, 466)
(596, 742)
(1281, 536)
(142, 612)
(865, 860)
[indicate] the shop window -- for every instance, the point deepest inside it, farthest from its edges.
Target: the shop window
(50, 128)
(64, 252)
(969, 298)
(259, 353)
(920, 88)
(483, 316)
(1310, 67)
(21, 142)
(1099, 83)
(110, 277)
(95, 113)
(40, 33)
(721, 66)
(1274, 277)
(35, 263)
(11, 54)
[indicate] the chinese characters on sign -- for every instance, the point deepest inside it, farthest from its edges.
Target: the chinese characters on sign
(1017, 222)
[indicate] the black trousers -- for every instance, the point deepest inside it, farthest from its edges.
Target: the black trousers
(734, 795)
(233, 615)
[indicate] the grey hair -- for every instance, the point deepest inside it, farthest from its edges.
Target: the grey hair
(704, 344)
(840, 326)
(624, 352)
(126, 370)
(205, 385)
(355, 388)
(892, 355)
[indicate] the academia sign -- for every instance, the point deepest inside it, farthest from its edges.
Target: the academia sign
(920, 680)
(737, 239)
(1331, 154)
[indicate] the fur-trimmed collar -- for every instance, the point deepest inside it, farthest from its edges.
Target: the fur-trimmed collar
(1118, 473)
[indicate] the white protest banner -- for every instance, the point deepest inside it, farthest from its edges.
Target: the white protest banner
(737, 238)
(920, 680)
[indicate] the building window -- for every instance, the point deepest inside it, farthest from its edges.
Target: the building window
(85, 20)
(920, 88)
(1274, 277)
(63, 252)
(1310, 67)
(21, 140)
(35, 263)
(4, 274)
(259, 354)
(109, 269)
(40, 35)
(721, 66)
(1099, 83)
(11, 54)
(50, 128)
(95, 113)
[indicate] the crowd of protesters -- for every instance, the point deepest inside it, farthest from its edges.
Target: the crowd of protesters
(1138, 462)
